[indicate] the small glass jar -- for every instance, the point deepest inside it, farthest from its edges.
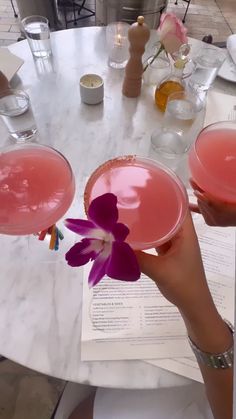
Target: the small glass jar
(117, 44)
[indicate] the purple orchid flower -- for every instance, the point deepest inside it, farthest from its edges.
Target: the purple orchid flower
(104, 243)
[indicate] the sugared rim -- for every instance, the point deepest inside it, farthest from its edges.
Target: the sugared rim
(154, 163)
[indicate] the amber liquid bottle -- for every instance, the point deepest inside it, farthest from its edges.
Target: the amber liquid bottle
(173, 83)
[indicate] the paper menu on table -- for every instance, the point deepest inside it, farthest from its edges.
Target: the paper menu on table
(218, 107)
(218, 252)
(134, 321)
(124, 320)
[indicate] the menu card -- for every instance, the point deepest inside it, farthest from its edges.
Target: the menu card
(219, 107)
(134, 321)
(218, 252)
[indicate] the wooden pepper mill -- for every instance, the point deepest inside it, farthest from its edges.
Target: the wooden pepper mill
(4, 85)
(138, 36)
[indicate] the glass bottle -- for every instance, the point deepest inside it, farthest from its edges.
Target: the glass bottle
(171, 84)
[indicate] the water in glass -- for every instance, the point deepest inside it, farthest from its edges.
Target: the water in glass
(17, 115)
(38, 36)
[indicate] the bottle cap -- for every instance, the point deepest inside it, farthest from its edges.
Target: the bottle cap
(180, 63)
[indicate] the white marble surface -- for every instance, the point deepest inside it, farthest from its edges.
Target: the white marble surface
(40, 303)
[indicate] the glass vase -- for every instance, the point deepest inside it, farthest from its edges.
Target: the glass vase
(157, 70)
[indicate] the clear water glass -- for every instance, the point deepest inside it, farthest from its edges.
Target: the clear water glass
(179, 129)
(37, 32)
(17, 114)
(208, 63)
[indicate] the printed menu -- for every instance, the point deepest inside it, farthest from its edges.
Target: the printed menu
(134, 321)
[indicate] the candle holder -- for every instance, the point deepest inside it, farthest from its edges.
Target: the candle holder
(91, 89)
(117, 44)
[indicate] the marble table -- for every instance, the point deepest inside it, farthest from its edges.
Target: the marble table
(40, 302)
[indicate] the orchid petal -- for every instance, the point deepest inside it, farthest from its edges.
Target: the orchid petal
(120, 231)
(122, 263)
(83, 252)
(85, 228)
(98, 270)
(103, 211)
(82, 227)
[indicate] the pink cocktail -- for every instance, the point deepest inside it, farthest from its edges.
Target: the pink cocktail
(152, 201)
(36, 188)
(212, 161)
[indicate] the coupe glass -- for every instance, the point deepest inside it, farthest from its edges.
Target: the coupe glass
(152, 200)
(37, 187)
(212, 161)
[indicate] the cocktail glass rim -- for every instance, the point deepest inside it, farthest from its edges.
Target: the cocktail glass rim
(174, 177)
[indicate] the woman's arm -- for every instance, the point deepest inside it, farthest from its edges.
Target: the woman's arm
(179, 274)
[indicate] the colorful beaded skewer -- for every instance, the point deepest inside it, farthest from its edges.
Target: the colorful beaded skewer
(55, 234)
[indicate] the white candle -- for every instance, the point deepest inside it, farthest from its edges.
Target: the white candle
(118, 40)
(91, 89)
(118, 44)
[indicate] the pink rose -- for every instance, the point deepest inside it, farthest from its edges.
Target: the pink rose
(172, 32)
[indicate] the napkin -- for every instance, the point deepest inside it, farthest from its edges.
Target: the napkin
(9, 63)
(231, 46)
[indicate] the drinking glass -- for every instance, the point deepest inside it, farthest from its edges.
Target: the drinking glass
(117, 44)
(151, 199)
(16, 112)
(208, 62)
(37, 187)
(179, 128)
(37, 32)
(212, 161)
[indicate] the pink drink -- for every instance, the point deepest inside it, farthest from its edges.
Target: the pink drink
(152, 201)
(212, 161)
(36, 189)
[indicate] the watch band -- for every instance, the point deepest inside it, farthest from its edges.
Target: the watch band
(218, 361)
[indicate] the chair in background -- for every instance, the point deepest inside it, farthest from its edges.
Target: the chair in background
(186, 11)
(14, 10)
(76, 7)
(208, 39)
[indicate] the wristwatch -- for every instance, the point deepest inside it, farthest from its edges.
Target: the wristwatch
(222, 360)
